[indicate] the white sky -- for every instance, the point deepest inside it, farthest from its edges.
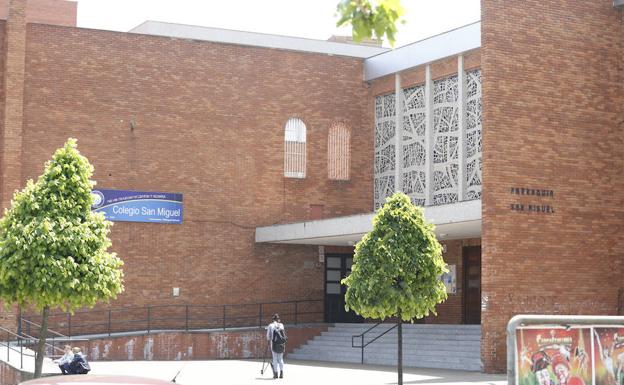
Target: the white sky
(303, 18)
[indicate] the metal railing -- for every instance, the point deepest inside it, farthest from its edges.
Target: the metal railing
(179, 317)
(16, 342)
(13, 339)
(361, 336)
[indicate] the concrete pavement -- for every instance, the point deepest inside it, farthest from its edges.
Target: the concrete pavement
(244, 372)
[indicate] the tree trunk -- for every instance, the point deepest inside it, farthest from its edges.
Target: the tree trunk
(41, 344)
(400, 356)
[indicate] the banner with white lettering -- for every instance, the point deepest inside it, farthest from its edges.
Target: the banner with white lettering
(138, 206)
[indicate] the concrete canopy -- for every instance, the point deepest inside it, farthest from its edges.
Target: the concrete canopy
(453, 221)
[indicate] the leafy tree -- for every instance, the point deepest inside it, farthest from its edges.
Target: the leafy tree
(371, 18)
(53, 248)
(396, 268)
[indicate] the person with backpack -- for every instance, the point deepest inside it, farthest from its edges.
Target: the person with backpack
(79, 364)
(276, 337)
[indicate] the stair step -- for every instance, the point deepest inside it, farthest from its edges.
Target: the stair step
(456, 346)
(466, 364)
(424, 345)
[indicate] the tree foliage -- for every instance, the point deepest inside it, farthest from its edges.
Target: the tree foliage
(53, 248)
(397, 266)
(371, 18)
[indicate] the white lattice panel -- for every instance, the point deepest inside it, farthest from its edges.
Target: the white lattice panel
(445, 140)
(414, 152)
(385, 132)
(473, 135)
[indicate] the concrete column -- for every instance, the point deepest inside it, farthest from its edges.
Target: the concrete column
(429, 138)
(15, 44)
(461, 143)
(398, 137)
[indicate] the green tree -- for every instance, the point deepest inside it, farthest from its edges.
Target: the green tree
(53, 248)
(370, 18)
(396, 268)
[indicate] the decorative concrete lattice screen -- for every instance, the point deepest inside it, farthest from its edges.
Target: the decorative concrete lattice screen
(385, 131)
(445, 140)
(295, 149)
(338, 151)
(473, 136)
(414, 151)
(437, 150)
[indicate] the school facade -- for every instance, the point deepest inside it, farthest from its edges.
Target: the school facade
(508, 132)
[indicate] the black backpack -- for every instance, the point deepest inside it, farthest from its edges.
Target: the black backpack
(279, 340)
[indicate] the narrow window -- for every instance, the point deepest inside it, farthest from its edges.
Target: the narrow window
(295, 149)
(338, 152)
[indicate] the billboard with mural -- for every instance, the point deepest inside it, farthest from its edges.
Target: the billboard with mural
(554, 356)
(587, 355)
(609, 355)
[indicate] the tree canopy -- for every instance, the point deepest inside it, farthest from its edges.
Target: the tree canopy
(371, 18)
(53, 248)
(397, 266)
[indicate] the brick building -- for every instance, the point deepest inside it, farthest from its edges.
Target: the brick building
(510, 136)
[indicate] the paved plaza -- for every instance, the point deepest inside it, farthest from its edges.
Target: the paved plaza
(243, 372)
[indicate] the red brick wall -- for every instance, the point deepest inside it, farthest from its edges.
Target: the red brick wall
(552, 119)
(12, 376)
(209, 123)
(57, 12)
(195, 346)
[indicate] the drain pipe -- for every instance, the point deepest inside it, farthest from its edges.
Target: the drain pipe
(553, 320)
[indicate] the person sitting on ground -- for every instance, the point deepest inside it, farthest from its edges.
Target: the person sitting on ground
(64, 361)
(79, 364)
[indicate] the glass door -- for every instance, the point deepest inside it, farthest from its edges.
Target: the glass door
(337, 267)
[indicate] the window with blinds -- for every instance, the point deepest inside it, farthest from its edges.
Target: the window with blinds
(338, 152)
(295, 149)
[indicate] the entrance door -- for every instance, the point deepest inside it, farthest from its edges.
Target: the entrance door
(337, 267)
(472, 284)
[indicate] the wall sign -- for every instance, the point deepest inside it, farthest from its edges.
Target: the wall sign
(138, 206)
(539, 200)
(450, 279)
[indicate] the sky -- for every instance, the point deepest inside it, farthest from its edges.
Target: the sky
(313, 19)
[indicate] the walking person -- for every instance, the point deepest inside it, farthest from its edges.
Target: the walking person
(276, 337)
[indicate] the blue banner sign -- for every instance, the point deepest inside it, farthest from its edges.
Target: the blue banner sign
(138, 206)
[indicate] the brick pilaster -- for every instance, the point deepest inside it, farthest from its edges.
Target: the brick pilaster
(15, 44)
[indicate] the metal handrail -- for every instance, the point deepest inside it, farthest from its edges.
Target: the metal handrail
(178, 317)
(7, 343)
(39, 326)
(361, 336)
(56, 337)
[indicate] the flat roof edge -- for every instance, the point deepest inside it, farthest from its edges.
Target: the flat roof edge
(255, 39)
(459, 212)
(455, 42)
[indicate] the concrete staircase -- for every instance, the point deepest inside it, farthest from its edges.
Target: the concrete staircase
(424, 346)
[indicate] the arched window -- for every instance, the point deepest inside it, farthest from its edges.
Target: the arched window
(295, 148)
(338, 151)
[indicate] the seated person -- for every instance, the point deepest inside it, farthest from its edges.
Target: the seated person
(79, 364)
(64, 361)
